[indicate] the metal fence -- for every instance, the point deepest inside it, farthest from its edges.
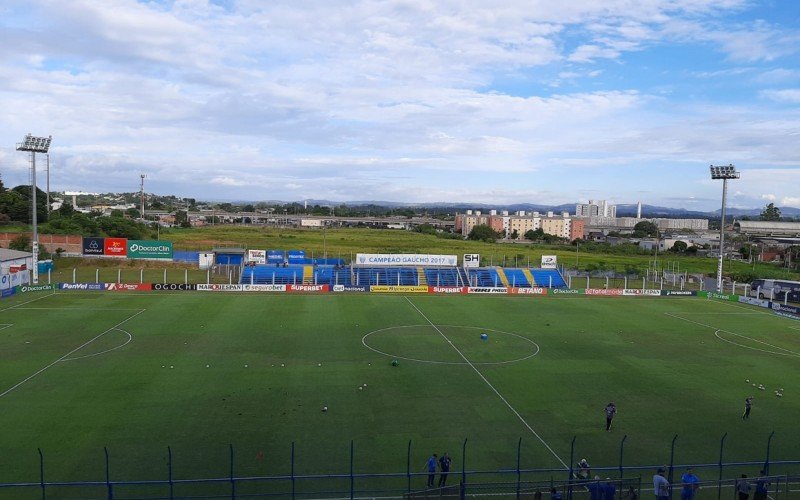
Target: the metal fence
(719, 480)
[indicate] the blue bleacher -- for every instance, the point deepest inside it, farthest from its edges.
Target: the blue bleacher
(443, 277)
(385, 276)
(484, 277)
(269, 275)
(330, 275)
(542, 278)
(517, 278)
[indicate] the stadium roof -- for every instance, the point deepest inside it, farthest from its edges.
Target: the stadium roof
(771, 228)
(6, 254)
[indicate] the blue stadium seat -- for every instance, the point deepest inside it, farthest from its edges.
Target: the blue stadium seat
(517, 278)
(542, 277)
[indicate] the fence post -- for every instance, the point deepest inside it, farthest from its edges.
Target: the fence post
(185, 276)
(519, 452)
(108, 476)
(233, 483)
(169, 472)
(141, 275)
(719, 481)
(165, 276)
(119, 275)
(352, 479)
(769, 444)
(621, 448)
(97, 275)
(293, 480)
(48, 276)
(671, 463)
(208, 275)
(73, 274)
(41, 472)
(408, 466)
(464, 464)
(571, 470)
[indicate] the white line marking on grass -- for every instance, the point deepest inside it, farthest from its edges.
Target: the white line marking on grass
(504, 400)
(78, 309)
(130, 339)
(3, 326)
(27, 302)
(717, 330)
(7, 391)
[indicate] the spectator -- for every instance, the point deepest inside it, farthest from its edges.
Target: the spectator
(743, 487)
(583, 469)
(431, 465)
(660, 485)
(444, 467)
(555, 494)
(762, 487)
(690, 483)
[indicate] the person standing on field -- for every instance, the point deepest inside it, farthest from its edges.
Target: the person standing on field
(743, 488)
(748, 404)
(431, 465)
(444, 467)
(611, 410)
(690, 483)
(660, 485)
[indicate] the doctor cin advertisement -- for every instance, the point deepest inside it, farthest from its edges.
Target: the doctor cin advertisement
(149, 249)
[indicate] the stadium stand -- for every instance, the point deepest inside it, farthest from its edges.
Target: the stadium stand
(517, 278)
(449, 276)
(542, 277)
(484, 277)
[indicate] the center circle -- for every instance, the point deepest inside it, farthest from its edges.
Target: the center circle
(445, 345)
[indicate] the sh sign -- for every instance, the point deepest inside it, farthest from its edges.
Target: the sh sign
(549, 262)
(472, 260)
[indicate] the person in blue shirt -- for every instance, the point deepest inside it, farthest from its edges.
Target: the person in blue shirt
(431, 470)
(555, 494)
(762, 487)
(690, 483)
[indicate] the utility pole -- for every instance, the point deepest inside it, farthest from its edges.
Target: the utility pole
(48, 185)
(141, 192)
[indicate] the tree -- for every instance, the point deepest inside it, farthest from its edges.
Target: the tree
(21, 243)
(182, 218)
(771, 212)
(482, 232)
(679, 247)
(133, 213)
(534, 235)
(645, 228)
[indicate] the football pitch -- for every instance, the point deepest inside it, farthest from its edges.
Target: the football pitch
(198, 372)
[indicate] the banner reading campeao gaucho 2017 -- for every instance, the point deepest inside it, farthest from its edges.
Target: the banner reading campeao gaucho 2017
(149, 249)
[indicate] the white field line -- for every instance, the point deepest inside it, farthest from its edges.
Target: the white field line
(504, 400)
(78, 309)
(717, 330)
(130, 339)
(3, 326)
(27, 302)
(10, 389)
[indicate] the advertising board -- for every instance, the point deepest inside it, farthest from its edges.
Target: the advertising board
(149, 249)
(348, 288)
(486, 289)
(405, 259)
(183, 287)
(115, 247)
(295, 256)
(527, 291)
(776, 306)
(205, 287)
(718, 296)
(678, 293)
(642, 292)
(263, 288)
(447, 289)
(604, 291)
(275, 256)
(128, 287)
(549, 261)
(93, 246)
(257, 256)
(8, 292)
(754, 301)
(96, 287)
(307, 288)
(398, 289)
(471, 260)
(567, 291)
(36, 288)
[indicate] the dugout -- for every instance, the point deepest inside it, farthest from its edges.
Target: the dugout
(229, 256)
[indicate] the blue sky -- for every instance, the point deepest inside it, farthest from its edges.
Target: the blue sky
(408, 100)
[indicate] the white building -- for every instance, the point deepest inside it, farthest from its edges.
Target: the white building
(595, 208)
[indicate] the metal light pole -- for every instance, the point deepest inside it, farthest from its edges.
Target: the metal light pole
(724, 172)
(34, 145)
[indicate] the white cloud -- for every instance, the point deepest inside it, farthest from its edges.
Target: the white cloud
(791, 201)
(769, 197)
(791, 96)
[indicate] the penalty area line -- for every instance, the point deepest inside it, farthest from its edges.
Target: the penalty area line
(40, 370)
(486, 381)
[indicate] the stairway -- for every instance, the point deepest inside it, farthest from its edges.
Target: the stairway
(308, 275)
(421, 279)
(502, 274)
(527, 273)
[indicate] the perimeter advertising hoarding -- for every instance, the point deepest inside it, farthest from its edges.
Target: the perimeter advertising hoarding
(349, 288)
(486, 289)
(263, 288)
(720, 296)
(398, 289)
(219, 288)
(528, 291)
(93, 246)
(149, 249)
(640, 292)
(96, 287)
(307, 288)
(115, 247)
(183, 287)
(567, 291)
(257, 256)
(128, 287)
(36, 288)
(447, 289)
(405, 259)
(604, 291)
(679, 293)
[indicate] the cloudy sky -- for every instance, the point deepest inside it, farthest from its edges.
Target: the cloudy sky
(537, 101)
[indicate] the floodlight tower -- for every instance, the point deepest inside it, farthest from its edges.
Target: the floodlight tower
(723, 172)
(34, 145)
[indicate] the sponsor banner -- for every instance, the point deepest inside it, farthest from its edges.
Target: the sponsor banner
(5, 281)
(567, 291)
(777, 306)
(8, 292)
(549, 261)
(405, 259)
(719, 296)
(257, 256)
(149, 249)
(347, 288)
(307, 288)
(263, 288)
(296, 255)
(82, 286)
(398, 289)
(471, 260)
(528, 291)
(604, 291)
(649, 292)
(787, 315)
(115, 247)
(754, 301)
(447, 289)
(205, 287)
(36, 288)
(128, 287)
(275, 256)
(93, 246)
(486, 289)
(678, 293)
(183, 287)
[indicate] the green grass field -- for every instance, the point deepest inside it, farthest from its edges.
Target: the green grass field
(136, 373)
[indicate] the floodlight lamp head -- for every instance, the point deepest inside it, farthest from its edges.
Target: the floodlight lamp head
(35, 144)
(724, 172)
